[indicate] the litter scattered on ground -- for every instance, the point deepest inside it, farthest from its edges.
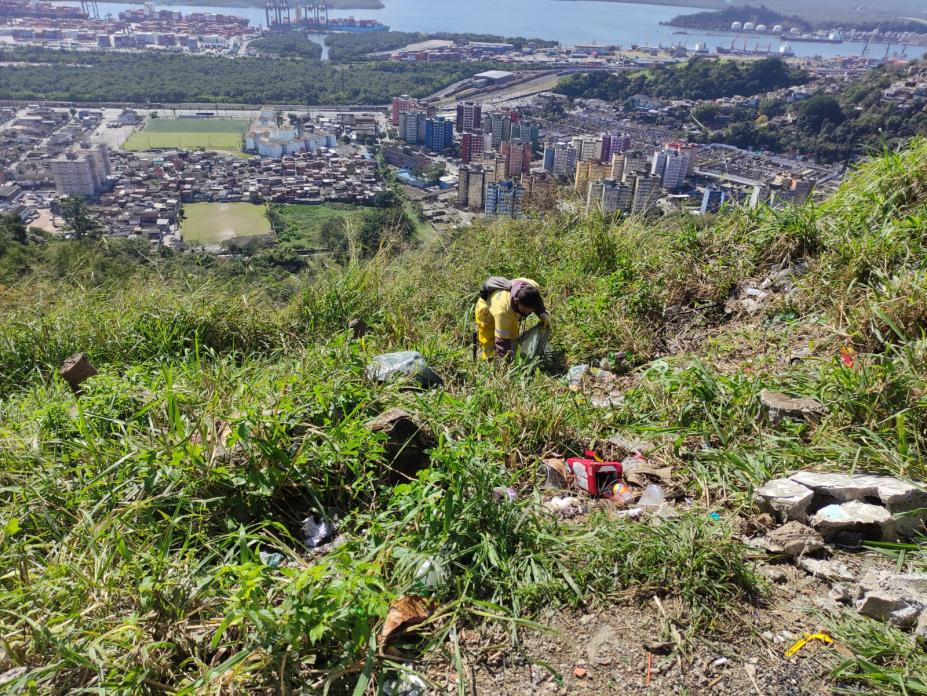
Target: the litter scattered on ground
(271, 560)
(602, 387)
(405, 685)
(316, 533)
(504, 493)
(627, 485)
(407, 365)
(802, 642)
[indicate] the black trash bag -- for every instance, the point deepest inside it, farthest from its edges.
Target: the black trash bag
(316, 533)
(405, 365)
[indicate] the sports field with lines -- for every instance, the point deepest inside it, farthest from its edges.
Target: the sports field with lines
(189, 134)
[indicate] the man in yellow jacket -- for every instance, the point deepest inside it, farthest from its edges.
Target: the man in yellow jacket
(502, 305)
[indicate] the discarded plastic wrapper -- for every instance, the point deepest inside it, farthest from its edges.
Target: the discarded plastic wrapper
(316, 533)
(651, 497)
(621, 493)
(802, 642)
(503, 493)
(408, 364)
(533, 342)
(271, 560)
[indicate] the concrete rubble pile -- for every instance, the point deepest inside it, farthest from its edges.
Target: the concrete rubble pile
(818, 510)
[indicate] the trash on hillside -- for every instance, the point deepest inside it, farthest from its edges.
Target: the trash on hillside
(553, 473)
(848, 356)
(808, 637)
(580, 672)
(430, 574)
(405, 612)
(503, 493)
(533, 342)
(316, 533)
(574, 376)
(652, 497)
(406, 685)
(271, 560)
(564, 506)
(409, 365)
(76, 370)
(593, 475)
(621, 493)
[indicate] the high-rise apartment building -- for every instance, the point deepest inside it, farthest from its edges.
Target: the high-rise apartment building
(81, 172)
(517, 157)
(560, 159)
(614, 143)
(646, 193)
(412, 126)
(504, 199)
(672, 166)
(439, 134)
(712, 200)
(400, 104)
(589, 171)
(588, 148)
(469, 117)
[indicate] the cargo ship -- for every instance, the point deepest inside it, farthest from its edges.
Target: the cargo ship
(313, 16)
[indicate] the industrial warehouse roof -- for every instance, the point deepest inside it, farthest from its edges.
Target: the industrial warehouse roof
(494, 75)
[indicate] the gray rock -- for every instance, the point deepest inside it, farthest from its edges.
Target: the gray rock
(920, 631)
(406, 444)
(829, 570)
(889, 608)
(853, 522)
(778, 406)
(793, 539)
(786, 499)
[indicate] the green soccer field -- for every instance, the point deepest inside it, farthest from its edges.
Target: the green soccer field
(210, 224)
(209, 134)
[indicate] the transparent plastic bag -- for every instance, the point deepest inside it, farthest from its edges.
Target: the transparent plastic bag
(409, 364)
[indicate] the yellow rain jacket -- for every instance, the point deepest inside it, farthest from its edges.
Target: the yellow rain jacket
(497, 322)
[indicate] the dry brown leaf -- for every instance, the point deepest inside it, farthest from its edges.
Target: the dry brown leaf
(404, 612)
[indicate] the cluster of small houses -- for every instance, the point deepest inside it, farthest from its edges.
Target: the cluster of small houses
(151, 189)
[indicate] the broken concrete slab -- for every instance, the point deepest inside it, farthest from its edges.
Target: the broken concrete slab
(793, 539)
(778, 406)
(840, 487)
(890, 608)
(853, 522)
(785, 498)
(829, 570)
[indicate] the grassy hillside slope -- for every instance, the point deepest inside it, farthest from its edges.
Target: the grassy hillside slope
(230, 404)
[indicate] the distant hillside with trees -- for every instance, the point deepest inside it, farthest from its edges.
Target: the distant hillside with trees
(37, 73)
(842, 127)
(699, 78)
(721, 20)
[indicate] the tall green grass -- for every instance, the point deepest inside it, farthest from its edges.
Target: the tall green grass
(231, 404)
